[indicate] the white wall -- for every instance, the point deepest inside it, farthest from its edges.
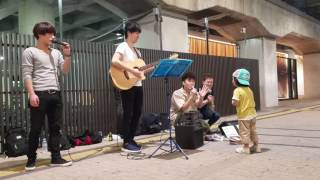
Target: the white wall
(311, 67)
(264, 50)
(175, 35)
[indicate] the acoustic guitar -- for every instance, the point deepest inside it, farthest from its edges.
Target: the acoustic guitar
(125, 80)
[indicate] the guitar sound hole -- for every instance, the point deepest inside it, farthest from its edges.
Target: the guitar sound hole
(126, 75)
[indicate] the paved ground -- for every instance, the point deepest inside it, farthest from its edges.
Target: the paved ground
(290, 145)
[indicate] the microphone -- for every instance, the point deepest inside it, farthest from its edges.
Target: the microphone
(56, 41)
(193, 89)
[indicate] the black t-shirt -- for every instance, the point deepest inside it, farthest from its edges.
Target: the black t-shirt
(208, 94)
(206, 97)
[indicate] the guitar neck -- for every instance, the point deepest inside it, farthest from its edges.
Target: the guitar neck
(148, 66)
(173, 56)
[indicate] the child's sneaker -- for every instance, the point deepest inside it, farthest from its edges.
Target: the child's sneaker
(243, 150)
(256, 149)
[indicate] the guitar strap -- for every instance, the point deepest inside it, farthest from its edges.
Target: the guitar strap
(137, 53)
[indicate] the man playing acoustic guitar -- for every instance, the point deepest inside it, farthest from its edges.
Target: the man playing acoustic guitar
(132, 99)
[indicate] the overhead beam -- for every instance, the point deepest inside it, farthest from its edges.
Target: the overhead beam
(217, 17)
(79, 33)
(88, 33)
(96, 10)
(217, 28)
(103, 30)
(70, 8)
(312, 4)
(9, 9)
(49, 1)
(112, 8)
(84, 22)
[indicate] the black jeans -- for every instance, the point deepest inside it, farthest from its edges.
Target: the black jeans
(132, 101)
(50, 105)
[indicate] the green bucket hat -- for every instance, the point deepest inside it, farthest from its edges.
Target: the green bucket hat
(243, 76)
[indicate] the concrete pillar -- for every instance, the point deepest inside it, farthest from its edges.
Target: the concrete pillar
(311, 66)
(174, 34)
(149, 37)
(32, 12)
(264, 50)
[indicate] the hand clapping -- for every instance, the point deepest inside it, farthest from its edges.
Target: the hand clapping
(204, 90)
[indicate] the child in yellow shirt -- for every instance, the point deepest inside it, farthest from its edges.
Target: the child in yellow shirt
(243, 100)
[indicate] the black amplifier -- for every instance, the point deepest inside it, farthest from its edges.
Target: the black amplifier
(189, 136)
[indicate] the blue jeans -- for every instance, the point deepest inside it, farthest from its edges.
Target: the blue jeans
(208, 113)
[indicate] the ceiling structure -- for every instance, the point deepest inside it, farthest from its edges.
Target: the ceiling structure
(82, 19)
(310, 7)
(101, 20)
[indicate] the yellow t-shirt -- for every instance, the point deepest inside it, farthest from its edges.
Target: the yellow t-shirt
(246, 110)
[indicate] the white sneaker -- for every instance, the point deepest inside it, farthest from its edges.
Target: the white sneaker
(242, 150)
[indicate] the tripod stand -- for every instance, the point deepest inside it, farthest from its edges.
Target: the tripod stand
(170, 68)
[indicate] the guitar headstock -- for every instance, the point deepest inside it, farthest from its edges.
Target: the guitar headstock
(174, 56)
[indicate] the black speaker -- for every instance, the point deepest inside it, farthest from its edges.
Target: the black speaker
(165, 122)
(189, 136)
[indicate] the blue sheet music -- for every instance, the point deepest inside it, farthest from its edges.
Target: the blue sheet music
(171, 67)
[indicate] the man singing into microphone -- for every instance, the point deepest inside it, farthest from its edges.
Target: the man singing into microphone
(41, 66)
(187, 98)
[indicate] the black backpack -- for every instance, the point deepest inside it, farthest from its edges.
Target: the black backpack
(15, 142)
(150, 123)
(63, 142)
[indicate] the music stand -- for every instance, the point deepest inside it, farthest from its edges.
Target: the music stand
(165, 69)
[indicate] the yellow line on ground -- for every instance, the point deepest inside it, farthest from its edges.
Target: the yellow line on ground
(290, 111)
(77, 156)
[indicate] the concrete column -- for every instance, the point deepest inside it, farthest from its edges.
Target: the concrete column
(32, 12)
(149, 37)
(174, 34)
(311, 66)
(264, 50)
